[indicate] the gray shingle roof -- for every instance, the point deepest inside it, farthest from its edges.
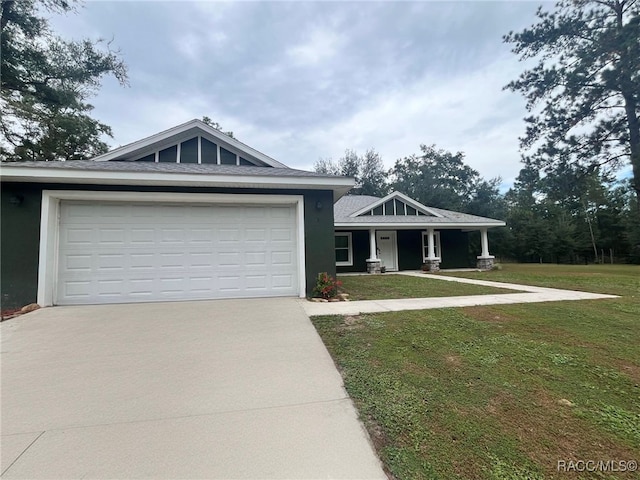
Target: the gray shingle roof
(349, 204)
(151, 167)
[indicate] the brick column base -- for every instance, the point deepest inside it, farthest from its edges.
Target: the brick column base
(485, 263)
(373, 266)
(431, 265)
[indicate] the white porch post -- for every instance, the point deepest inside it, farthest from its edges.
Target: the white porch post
(485, 260)
(372, 245)
(373, 263)
(431, 251)
(431, 263)
(485, 242)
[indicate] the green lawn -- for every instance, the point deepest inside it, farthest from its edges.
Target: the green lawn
(613, 279)
(378, 287)
(502, 392)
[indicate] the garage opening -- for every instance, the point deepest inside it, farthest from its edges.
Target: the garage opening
(121, 252)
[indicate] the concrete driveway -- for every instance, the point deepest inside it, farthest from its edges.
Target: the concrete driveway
(211, 389)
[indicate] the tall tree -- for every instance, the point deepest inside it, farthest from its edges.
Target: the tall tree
(584, 92)
(367, 169)
(436, 178)
(46, 83)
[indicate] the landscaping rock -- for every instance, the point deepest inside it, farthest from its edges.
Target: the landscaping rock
(29, 308)
(343, 296)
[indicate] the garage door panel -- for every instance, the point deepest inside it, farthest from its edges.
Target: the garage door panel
(283, 281)
(282, 258)
(113, 253)
(79, 236)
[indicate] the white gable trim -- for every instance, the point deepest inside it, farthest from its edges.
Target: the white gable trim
(161, 139)
(400, 196)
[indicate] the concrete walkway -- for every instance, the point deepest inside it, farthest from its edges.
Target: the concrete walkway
(530, 295)
(211, 389)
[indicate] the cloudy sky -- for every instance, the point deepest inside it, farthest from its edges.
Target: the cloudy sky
(302, 81)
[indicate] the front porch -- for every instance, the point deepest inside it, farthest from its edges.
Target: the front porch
(374, 250)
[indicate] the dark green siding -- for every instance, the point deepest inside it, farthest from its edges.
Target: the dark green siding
(319, 239)
(360, 245)
(455, 248)
(189, 151)
(454, 244)
(409, 249)
(168, 155)
(208, 151)
(227, 157)
(20, 235)
(20, 240)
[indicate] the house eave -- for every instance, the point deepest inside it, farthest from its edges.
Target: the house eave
(339, 186)
(416, 226)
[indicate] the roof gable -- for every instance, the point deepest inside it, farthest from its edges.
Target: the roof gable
(396, 204)
(351, 211)
(199, 136)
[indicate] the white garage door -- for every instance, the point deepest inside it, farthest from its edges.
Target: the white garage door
(118, 253)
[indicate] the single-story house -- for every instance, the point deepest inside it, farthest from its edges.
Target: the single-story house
(399, 233)
(191, 213)
(188, 213)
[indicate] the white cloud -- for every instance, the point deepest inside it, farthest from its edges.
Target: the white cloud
(321, 45)
(197, 46)
(306, 80)
(469, 113)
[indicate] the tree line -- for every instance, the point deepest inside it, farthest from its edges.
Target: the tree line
(560, 217)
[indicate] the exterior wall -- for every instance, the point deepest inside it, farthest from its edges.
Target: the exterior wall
(455, 249)
(319, 240)
(360, 245)
(20, 240)
(409, 249)
(20, 234)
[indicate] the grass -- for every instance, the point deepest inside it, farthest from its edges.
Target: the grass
(500, 392)
(378, 287)
(611, 279)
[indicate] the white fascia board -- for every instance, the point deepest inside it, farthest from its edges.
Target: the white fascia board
(159, 137)
(416, 226)
(400, 196)
(45, 175)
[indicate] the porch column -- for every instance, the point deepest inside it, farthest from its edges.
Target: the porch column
(373, 254)
(485, 260)
(431, 263)
(373, 263)
(431, 251)
(485, 242)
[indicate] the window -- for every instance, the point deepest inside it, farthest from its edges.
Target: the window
(344, 249)
(425, 245)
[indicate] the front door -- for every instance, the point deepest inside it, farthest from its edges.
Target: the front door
(387, 249)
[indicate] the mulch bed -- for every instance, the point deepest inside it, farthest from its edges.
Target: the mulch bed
(9, 313)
